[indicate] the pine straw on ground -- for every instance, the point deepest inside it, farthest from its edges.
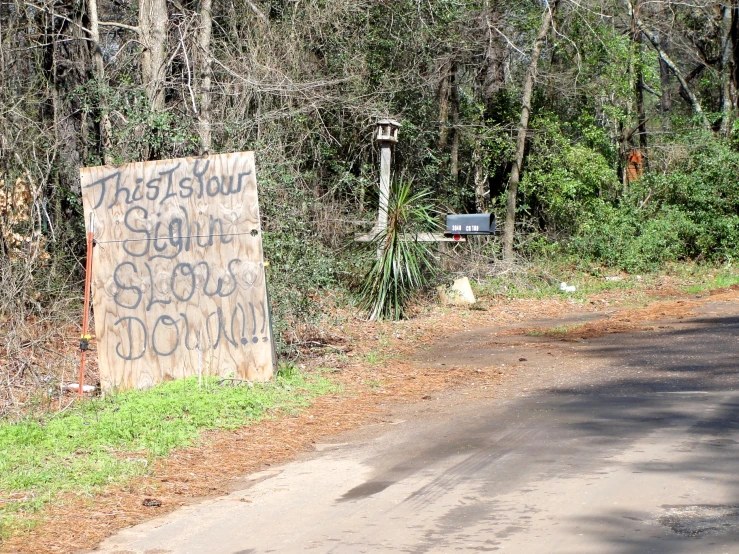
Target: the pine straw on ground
(369, 362)
(640, 319)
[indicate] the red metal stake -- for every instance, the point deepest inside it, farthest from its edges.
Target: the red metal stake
(85, 316)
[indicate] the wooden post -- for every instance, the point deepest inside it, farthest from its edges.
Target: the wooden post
(387, 135)
(385, 162)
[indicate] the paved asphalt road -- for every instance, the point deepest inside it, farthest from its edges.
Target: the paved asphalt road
(625, 444)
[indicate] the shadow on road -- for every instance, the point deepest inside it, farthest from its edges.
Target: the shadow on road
(680, 382)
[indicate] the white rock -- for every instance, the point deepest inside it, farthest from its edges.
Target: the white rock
(75, 387)
(459, 293)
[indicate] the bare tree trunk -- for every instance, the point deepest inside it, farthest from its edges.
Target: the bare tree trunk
(66, 147)
(625, 139)
(639, 90)
(641, 114)
(153, 34)
(623, 147)
(204, 126)
(481, 177)
(665, 97)
(523, 126)
(454, 153)
(664, 78)
(99, 72)
(734, 37)
(693, 99)
(728, 93)
(443, 106)
(664, 75)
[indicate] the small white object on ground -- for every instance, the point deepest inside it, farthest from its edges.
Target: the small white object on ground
(564, 287)
(459, 293)
(614, 278)
(74, 387)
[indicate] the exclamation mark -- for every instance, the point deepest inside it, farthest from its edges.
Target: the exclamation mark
(264, 322)
(254, 338)
(244, 340)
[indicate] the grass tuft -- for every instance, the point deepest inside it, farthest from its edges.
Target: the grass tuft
(713, 282)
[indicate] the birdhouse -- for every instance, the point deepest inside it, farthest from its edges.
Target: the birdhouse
(387, 130)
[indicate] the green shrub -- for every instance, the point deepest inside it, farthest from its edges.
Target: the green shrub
(689, 212)
(632, 239)
(301, 266)
(562, 179)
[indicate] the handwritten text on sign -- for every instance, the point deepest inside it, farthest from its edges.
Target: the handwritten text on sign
(178, 275)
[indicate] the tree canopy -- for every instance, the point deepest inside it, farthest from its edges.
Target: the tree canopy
(628, 154)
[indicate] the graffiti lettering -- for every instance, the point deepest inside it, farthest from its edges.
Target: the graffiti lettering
(178, 268)
(182, 282)
(188, 284)
(170, 333)
(168, 340)
(163, 186)
(102, 183)
(120, 296)
(136, 345)
(170, 238)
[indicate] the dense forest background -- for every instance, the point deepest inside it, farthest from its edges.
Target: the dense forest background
(630, 158)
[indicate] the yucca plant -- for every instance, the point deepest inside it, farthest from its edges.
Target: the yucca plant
(403, 265)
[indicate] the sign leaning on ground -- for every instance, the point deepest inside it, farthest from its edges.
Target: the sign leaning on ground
(178, 282)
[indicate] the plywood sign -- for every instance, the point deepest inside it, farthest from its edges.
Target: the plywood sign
(178, 283)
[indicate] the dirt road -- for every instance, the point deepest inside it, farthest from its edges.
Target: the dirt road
(627, 443)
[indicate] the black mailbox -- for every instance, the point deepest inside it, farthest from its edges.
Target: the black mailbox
(470, 224)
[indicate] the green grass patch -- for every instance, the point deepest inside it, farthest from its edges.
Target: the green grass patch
(374, 384)
(532, 283)
(542, 280)
(108, 440)
(719, 280)
(373, 357)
